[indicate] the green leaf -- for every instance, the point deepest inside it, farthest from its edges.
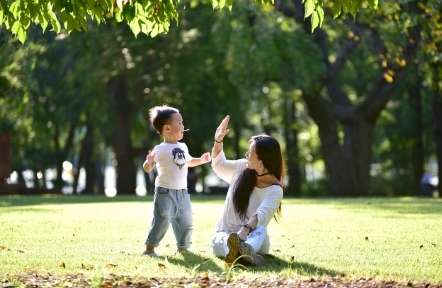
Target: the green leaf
(56, 25)
(43, 22)
(229, 4)
(25, 21)
(57, 5)
(337, 7)
(315, 20)
(1, 16)
(215, 4)
(21, 35)
(135, 27)
(119, 16)
(129, 13)
(320, 15)
(309, 8)
(69, 7)
(15, 27)
(14, 8)
(64, 16)
(83, 23)
(221, 4)
(373, 3)
(154, 31)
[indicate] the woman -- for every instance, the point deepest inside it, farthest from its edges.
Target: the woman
(253, 199)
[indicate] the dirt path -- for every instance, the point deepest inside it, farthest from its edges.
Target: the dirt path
(81, 280)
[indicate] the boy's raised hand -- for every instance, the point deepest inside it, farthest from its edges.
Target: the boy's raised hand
(205, 157)
(150, 157)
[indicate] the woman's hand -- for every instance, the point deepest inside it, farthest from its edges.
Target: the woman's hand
(243, 233)
(222, 130)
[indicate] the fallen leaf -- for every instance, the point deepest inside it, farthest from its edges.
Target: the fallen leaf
(110, 265)
(366, 238)
(276, 250)
(206, 276)
(167, 245)
(162, 266)
(228, 265)
(422, 246)
(2, 247)
(21, 251)
(62, 265)
(292, 258)
(434, 245)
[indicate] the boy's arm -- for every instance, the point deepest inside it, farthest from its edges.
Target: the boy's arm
(149, 163)
(199, 161)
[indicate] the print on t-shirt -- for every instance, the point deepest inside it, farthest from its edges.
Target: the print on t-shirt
(178, 157)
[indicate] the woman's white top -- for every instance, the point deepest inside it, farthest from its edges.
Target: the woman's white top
(263, 202)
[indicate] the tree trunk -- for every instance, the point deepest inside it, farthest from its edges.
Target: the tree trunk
(291, 140)
(126, 172)
(62, 152)
(89, 161)
(78, 168)
(437, 111)
(418, 149)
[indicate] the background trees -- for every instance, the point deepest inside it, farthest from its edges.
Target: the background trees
(350, 102)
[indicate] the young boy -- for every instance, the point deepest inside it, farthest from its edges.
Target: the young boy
(171, 200)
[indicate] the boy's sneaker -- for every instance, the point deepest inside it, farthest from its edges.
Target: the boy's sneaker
(250, 256)
(151, 253)
(184, 251)
(233, 243)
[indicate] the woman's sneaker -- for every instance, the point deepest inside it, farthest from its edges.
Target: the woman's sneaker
(250, 256)
(233, 244)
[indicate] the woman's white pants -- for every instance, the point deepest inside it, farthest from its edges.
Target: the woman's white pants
(258, 239)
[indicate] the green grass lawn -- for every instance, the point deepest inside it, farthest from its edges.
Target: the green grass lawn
(396, 239)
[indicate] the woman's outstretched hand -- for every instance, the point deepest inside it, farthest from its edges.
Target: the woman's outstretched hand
(222, 130)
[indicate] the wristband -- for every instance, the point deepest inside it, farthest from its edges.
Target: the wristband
(248, 227)
(218, 141)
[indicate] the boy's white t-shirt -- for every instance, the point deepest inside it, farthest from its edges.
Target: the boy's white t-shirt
(171, 161)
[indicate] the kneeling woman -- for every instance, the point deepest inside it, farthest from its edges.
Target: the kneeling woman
(253, 199)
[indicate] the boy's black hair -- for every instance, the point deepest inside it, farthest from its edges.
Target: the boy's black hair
(160, 115)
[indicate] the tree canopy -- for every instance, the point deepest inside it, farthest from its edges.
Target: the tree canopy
(150, 17)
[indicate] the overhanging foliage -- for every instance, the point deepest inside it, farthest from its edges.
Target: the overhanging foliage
(150, 17)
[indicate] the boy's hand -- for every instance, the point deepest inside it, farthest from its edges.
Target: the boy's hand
(205, 157)
(150, 158)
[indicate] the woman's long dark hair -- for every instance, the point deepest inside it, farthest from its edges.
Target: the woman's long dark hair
(269, 151)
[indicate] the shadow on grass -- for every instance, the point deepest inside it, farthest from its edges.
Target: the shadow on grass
(276, 265)
(195, 264)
